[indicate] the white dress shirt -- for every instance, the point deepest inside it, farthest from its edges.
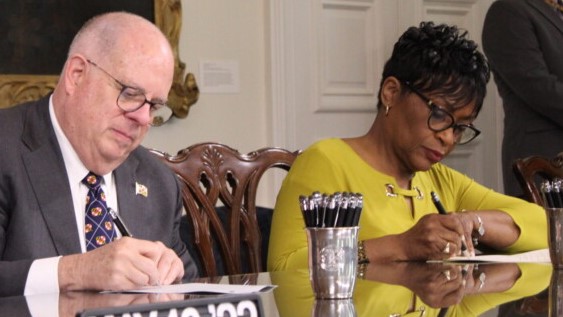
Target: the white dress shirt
(43, 273)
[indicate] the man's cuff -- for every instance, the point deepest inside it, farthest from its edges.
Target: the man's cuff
(43, 277)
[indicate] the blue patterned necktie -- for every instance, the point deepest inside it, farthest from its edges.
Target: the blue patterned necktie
(98, 227)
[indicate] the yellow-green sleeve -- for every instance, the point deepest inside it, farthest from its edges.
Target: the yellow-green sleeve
(534, 278)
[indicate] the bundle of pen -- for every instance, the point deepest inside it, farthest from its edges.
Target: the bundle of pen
(336, 210)
(552, 193)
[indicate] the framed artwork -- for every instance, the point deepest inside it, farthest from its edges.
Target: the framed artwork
(36, 34)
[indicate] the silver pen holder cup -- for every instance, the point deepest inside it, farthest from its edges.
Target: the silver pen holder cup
(333, 261)
(334, 308)
(556, 294)
(555, 236)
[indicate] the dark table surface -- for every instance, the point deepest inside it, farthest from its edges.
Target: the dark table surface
(395, 289)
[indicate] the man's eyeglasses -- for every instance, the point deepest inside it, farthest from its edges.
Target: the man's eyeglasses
(440, 120)
(132, 99)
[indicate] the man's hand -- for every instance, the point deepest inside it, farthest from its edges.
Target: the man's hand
(124, 264)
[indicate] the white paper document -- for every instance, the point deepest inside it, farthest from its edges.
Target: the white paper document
(203, 288)
(536, 256)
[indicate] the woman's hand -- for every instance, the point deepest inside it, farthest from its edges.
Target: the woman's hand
(437, 237)
(493, 228)
(433, 237)
(442, 285)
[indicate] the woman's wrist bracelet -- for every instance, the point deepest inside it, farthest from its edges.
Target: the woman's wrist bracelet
(362, 268)
(362, 257)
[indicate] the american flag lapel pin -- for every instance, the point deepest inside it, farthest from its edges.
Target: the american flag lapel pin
(141, 189)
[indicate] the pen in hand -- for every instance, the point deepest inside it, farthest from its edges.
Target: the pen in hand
(122, 228)
(119, 223)
(438, 203)
(442, 211)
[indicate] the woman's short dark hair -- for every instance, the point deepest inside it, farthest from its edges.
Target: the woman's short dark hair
(440, 58)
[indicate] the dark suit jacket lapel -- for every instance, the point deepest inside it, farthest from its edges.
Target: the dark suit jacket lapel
(48, 178)
(128, 201)
(547, 11)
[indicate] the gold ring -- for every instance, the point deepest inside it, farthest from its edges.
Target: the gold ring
(447, 248)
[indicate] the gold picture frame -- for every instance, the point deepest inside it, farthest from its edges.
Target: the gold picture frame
(16, 88)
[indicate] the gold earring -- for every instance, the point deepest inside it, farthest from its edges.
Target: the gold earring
(387, 110)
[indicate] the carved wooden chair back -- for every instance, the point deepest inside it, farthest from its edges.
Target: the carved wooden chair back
(212, 174)
(530, 171)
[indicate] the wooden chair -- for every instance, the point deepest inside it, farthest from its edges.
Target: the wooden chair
(530, 171)
(227, 239)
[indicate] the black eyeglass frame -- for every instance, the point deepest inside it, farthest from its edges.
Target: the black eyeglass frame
(435, 108)
(154, 106)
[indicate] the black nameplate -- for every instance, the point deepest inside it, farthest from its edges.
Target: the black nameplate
(248, 305)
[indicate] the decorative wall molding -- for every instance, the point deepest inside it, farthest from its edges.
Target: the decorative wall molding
(347, 56)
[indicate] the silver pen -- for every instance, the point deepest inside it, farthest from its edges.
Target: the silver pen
(119, 223)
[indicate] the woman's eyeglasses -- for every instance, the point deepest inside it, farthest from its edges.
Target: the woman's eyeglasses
(440, 120)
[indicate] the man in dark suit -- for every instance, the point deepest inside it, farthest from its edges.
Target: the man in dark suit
(523, 40)
(118, 72)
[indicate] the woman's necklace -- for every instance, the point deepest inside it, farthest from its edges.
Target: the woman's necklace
(555, 4)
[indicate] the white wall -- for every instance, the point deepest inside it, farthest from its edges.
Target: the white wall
(244, 31)
(222, 30)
